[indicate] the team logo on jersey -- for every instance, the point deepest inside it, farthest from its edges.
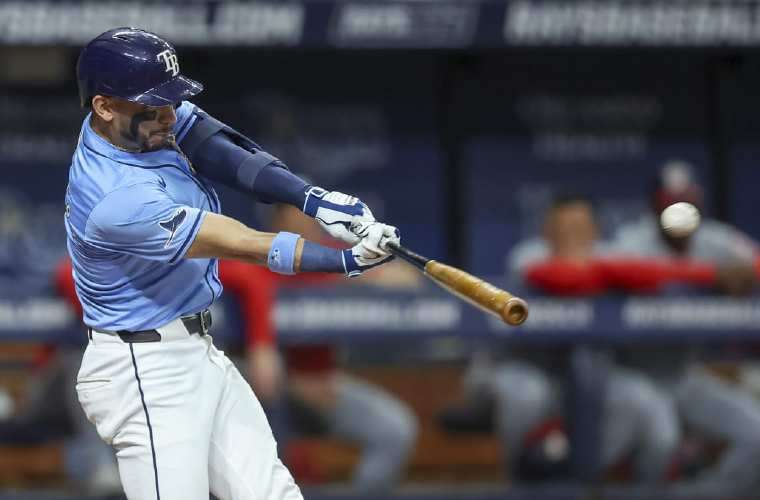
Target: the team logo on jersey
(170, 60)
(173, 224)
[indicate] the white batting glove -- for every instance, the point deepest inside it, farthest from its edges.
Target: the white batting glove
(372, 250)
(375, 235)
(335, 212)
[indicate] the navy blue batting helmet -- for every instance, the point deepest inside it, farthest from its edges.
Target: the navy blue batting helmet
(135, 65)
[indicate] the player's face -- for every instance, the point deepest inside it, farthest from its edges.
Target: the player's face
(571, 231)
(147, 128)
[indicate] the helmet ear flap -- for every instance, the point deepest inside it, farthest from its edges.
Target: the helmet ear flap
(85, 98)
(84, 86)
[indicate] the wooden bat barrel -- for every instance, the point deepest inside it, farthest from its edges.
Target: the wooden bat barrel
(512, 310)
(480, 293)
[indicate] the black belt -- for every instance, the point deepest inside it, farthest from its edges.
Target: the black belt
(197, 323)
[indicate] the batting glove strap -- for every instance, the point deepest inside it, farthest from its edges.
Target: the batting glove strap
(354, 265)
(372, 250)
(335, 212)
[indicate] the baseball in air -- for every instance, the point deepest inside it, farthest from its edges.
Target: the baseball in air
(680, 219)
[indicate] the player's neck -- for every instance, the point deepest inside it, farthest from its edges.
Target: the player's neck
(101, 128)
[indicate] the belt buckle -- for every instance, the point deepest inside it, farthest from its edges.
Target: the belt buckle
(205, 323)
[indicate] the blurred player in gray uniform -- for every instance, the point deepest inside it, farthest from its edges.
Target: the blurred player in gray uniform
(638, 419)
(705, 402)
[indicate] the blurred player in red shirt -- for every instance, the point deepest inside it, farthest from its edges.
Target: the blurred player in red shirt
(639, 421)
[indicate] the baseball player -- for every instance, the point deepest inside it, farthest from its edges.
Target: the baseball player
(638, 420)
(709, 405)
(144, 234)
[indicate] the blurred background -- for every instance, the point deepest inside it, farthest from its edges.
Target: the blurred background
(530, 142)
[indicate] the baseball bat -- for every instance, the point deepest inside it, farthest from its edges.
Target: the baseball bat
(510, 309)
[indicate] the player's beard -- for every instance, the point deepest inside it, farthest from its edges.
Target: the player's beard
(150, 141)
(160, 141)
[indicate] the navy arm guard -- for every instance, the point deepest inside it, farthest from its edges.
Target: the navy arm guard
(222, 154)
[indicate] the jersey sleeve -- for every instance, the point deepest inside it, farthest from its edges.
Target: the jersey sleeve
(144, 221)
(186, 116)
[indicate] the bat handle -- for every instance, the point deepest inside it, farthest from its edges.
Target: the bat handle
(404, 253)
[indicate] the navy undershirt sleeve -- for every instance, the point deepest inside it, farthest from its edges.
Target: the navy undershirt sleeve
(220, 159)
(321, 259)
(277, 184)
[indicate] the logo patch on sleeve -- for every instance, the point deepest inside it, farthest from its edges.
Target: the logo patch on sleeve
(173, 224)
(274, 257)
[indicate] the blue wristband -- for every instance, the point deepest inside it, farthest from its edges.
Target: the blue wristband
(282, 254)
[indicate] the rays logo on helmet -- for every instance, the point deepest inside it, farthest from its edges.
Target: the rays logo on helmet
(170, 59)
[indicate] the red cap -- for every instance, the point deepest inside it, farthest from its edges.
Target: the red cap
(676, 183)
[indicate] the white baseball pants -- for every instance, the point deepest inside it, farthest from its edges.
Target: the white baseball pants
(181, 418)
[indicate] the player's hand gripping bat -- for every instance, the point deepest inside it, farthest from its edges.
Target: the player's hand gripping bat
(512, 310)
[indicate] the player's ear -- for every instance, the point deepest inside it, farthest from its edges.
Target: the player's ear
(103, 107)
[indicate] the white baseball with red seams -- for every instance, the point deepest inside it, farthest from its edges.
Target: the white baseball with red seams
(680, 219)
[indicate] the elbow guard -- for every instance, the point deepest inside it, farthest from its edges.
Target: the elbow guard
(223, 154)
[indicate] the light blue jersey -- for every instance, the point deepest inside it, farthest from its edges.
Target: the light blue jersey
(130, 219)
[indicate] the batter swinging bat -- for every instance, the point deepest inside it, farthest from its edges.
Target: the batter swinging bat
(512, 310)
